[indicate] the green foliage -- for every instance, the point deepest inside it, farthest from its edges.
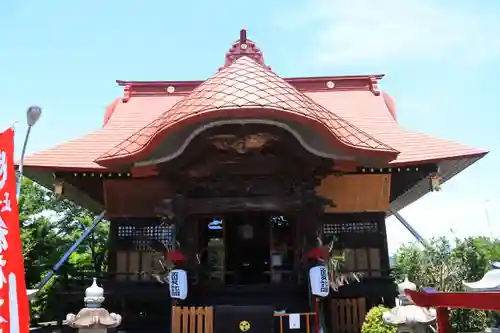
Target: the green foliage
(48, 229)
(373, 321)
(444, 266)
(467, 320)
(408, 259)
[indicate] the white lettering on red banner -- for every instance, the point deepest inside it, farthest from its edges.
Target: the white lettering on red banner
(4, 245)
(3, 262)
(14, 307)
(5, 206)
(3, 169)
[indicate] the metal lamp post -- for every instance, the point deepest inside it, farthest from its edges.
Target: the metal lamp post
(32, 115)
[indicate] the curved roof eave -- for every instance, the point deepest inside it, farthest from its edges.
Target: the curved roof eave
(131, 153)
(248, 89)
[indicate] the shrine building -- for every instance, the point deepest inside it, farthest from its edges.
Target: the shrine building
(243, 173)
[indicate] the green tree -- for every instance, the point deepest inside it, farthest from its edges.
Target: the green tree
(48, 228)
(444, 266)
(408, 261)
(473, 256)
(431, 266)
(490, 245)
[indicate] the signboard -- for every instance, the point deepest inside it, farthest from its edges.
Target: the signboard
(178, 284)
(318, 278)
(14, 307)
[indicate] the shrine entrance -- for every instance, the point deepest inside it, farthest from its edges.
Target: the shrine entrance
(246, 208)
(246, 248)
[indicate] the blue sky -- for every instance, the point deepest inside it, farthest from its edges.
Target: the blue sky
(442, 61)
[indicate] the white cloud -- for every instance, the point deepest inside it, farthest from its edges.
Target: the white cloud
(385, 30)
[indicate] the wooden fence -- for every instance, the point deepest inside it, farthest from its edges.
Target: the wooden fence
(347, 315)
(309, 316)
(192, 319)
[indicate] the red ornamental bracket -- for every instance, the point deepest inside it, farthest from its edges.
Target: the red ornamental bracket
(14, 307)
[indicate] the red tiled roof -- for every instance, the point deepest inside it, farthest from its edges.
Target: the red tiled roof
(126, 119)
(359, 107)
(246, 88)
(370, 113)
(350, 112)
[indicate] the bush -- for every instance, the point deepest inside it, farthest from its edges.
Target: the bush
(373, 321)
(466, 320)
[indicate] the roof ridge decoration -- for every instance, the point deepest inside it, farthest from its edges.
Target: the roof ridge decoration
(244, 47)
(247, 89)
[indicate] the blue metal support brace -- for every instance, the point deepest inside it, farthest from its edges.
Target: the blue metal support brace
(410, 228)
(72, 249)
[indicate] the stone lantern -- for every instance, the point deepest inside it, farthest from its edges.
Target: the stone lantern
(93, 318)
(408, 317)
(489, 282)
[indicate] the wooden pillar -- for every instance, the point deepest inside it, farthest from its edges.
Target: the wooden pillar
(384, 248)
(310, 224)
(178, 208)
(310, 219)
(112, 246)
(443, 317)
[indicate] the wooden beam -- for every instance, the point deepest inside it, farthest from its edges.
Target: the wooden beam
(225, 204)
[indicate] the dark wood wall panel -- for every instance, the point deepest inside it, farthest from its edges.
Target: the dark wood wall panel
(362, 239)
(135, 197)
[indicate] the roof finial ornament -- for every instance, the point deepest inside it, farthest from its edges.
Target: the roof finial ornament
(244, 47)
(243, 36)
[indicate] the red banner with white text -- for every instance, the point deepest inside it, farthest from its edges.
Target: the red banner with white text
(14, 307)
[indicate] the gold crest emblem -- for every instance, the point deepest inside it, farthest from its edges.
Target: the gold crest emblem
(244, 326)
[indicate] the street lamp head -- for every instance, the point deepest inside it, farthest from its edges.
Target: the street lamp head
(33, 114)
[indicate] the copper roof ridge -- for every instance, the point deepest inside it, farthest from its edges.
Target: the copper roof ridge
(304, 84)
(123, 83)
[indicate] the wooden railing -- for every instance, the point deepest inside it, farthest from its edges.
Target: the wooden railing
(307, 316)
(192, 319)
(347, 314)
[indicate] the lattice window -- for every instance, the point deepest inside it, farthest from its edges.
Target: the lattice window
(126, 231)
(350, 227)
(145, 237)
